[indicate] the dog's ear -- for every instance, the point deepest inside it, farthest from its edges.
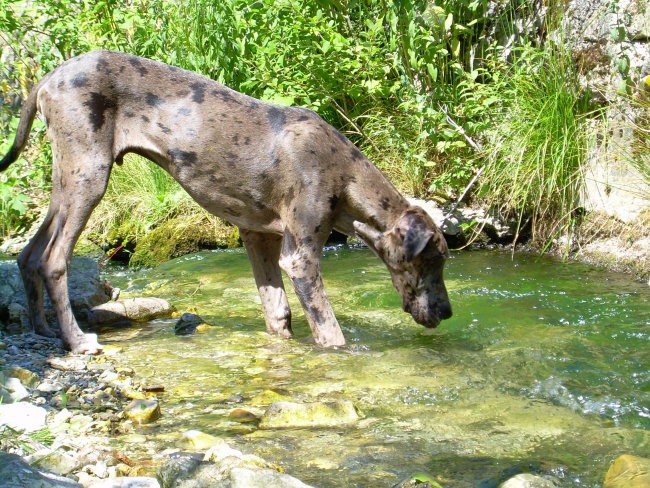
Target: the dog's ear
(368, 234)
(417, 237)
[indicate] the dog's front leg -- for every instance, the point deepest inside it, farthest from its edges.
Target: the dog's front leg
(264, 254)
(300, 259)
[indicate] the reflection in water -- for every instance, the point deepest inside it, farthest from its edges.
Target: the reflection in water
(543, 368)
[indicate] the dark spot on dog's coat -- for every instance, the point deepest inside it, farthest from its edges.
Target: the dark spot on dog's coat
(128, 114)
(277, 119)
(334, 200)
(355, 153)
(97, 105)
(137, 64)
(79, 80)
(385, 203)
(184, 158)
(185, 112)
(198, 92)
(102, 65)
(164, 128)
(153, 100)
(145, 118)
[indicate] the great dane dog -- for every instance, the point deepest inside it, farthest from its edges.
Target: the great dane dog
(281, 174)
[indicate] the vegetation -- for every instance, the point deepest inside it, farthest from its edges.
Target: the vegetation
(386, 72)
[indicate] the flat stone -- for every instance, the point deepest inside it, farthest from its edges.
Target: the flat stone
(131, 309)
(22, 416)
(67, 364)
(290, 415)
(195, 439)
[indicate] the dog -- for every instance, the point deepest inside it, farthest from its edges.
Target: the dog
(282, 175)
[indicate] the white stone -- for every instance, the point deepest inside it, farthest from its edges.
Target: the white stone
(22, 416)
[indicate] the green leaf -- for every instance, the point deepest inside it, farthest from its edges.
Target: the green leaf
(449, 22)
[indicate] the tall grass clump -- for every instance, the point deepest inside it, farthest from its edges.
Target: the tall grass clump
(139, 197)
(536, 149)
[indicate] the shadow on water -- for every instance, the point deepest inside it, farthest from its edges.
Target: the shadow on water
(543, 368)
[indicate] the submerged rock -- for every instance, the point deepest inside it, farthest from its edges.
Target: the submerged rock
(195, 439)
(187, 324)
(143, 411)
(628, 471)
(527, 480)
(289, 415)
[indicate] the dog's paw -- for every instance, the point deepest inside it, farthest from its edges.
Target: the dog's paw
(87, 344)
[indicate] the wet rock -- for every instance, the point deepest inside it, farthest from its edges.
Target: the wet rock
(26, 377)
(67, 364)
(243, 416)
(289, 414)
(12, 390)
(187, 324)
(526, 480)
(127, 482)
(54, 460)
(22, 416)
(179, 467)
(195, 439)
(628, 471)
(224, 467)
(16, 473)
(143, 411)
(263, 478)
(269, 396)
(132, 309)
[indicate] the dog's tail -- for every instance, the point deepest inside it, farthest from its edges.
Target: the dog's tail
(27, 114)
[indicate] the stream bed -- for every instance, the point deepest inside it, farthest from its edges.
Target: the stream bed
(544, 368)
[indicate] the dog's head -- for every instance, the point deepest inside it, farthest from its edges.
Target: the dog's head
(414, 251)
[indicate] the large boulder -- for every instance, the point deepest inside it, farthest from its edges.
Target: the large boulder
(85, 287)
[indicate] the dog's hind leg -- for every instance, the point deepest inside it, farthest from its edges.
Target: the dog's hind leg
(78, 183)
(264, 254)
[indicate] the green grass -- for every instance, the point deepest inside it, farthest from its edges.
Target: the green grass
(536, 150)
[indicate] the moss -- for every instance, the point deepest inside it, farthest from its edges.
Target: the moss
(183, 235)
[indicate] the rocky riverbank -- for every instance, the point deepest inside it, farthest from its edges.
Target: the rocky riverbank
(61, 413)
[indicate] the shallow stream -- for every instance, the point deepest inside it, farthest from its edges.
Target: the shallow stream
(544, 368)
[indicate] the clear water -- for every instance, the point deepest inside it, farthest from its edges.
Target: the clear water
(544, 368)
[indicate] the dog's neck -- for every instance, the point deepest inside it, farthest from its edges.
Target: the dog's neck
(373, 200)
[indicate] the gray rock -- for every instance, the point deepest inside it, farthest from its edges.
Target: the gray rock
(179, 467)
(16, 473)
(85, 287)
(527, 480)
(127, 482)
(263, 478)
(127, 310)
(54, 460)
(22, 416)
(12, 390)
